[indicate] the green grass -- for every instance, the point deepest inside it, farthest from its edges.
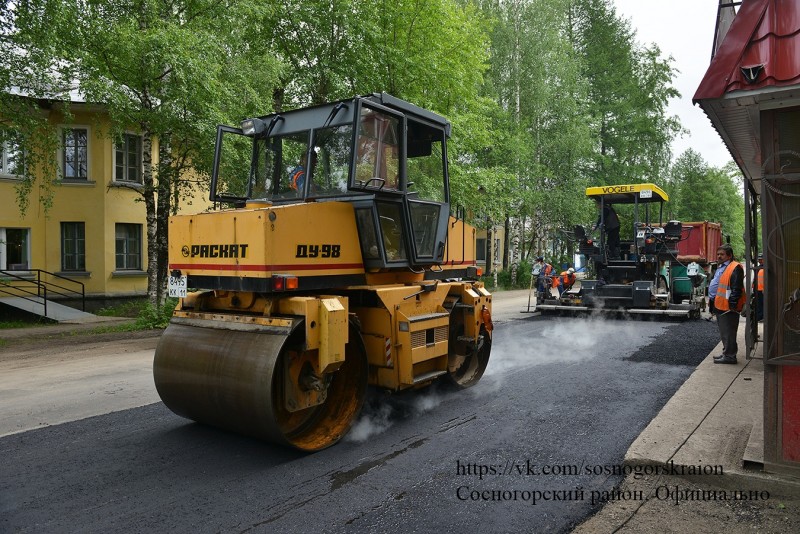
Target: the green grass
(17, 324)
(146, 317)
(110, 329)
(131, 308)
(149, 317)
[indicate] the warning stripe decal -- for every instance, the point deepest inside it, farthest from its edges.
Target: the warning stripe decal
(266, 268)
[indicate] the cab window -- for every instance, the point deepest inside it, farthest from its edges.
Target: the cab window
(378, 151)
(281, 167)
(331, 155)
(425, 162)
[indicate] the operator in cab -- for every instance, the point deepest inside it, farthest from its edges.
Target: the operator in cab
(609, 220)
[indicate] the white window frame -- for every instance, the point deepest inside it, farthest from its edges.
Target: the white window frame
(4, 265)
(62, 154)
(4, 158)
(125, 166)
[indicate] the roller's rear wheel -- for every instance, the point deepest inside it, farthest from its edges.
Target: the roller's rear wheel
(235, 379)
(466, 361)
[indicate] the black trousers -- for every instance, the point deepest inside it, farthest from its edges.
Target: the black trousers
(613, 242)
(728, 324)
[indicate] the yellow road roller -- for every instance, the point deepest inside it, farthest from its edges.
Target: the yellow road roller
(330, 262)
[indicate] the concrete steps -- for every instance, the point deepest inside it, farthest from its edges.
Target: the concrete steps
(55, 311)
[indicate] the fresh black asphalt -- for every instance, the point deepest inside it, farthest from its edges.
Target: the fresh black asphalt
(561, 395)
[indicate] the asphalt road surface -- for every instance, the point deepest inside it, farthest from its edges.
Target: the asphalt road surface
(531, 448)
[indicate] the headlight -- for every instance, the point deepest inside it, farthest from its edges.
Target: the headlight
(252, 126)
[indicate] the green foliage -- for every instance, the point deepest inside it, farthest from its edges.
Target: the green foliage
(155, 316)
(129, 308)
(523, 274)
(504, 278)
(17, 324)
(629, 89)
(700, 192)
(546, 97)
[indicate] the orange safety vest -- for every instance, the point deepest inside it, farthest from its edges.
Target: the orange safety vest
(724, 290)
(567, 279)
(296, 178)
(760, 280)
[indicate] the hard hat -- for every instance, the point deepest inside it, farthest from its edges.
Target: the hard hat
(539, 258)
(570, 270)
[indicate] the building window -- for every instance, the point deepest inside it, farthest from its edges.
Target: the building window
(75, 155)
(15, 249)
(129, 247)
(11, 161)
(480, 249)
(73, 246)
(128, 160)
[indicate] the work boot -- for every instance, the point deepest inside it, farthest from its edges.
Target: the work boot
(726, 359)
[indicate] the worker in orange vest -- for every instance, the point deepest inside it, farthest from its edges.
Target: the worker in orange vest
(726, 300)
(567, 280)
(760, 288)
(544, 271)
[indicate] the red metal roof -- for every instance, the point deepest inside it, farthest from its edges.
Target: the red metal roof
(764, 32)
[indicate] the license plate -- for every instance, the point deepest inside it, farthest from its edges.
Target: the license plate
(176, 287)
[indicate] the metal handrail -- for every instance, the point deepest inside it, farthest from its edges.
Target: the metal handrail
(42, 286)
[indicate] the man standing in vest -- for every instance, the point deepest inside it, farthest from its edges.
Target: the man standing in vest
(726, 300)
(760, 288)
(543, 271)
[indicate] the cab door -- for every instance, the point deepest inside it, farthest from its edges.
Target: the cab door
(428, 197)
(377, 169)
(400, 160)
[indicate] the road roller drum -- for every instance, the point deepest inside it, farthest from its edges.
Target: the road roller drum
(237, 379)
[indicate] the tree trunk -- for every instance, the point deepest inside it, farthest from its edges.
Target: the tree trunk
(163, 207)
(488, 249)
(148, 180)
(506, 241)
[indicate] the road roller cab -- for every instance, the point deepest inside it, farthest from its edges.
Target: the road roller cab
(332, 263)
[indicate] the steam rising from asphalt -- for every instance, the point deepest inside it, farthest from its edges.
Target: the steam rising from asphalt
(373, 421)
(559, 341)
(378, 416)
(544, 341)
(571, 340)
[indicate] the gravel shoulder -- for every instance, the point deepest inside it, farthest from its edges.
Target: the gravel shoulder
(24, 343)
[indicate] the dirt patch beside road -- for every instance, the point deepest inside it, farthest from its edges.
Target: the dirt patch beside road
(27, 343)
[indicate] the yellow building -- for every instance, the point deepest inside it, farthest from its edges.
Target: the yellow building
(95, 231)
(489, 248)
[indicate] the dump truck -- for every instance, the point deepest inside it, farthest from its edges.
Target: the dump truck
(697, 247)
(330, 263)
(631, 271)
